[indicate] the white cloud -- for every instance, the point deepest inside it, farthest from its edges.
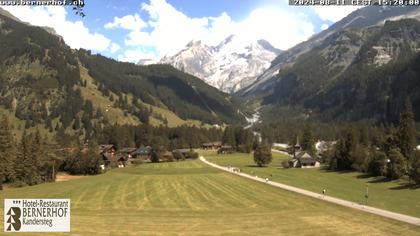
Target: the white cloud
(135, 55)
(333, 13)
(114, 47)
(130, 22)
(324, 26)
(75, 34)
(169, 30)
(290, 30)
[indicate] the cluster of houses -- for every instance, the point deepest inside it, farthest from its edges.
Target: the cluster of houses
(120, 159)
(132, 156)
(211, 145)
(219, 146)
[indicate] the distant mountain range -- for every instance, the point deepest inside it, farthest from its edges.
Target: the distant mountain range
(231, 65)
(362, 67)
(45, 83)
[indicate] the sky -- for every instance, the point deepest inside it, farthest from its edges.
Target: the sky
(130, 30)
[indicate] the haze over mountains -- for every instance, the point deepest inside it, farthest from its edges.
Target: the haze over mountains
(231, 65)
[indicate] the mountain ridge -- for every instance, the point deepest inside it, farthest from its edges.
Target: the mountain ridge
(228, 66)
(354, 74)
(362, 18)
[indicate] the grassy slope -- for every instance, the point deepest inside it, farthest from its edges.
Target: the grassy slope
(189, 198)
(173, 119)
(92, 93)
(351, 186)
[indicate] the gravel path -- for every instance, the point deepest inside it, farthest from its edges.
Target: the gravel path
(373, 210)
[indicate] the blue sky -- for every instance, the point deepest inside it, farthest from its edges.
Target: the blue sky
(130, 30)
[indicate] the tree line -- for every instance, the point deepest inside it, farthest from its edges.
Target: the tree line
(26, 162)
(391, 153)
(85, 161)
(241, 140)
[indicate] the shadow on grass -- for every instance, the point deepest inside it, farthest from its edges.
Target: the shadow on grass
(337, 171)
(364, 176)
(379, 180)
(406, 186)
(256, 166)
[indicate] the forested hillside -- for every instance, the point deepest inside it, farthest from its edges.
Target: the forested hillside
(46, 84)
(162, 86)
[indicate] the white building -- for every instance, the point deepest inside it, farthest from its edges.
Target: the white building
(322, 146)
(281, 145)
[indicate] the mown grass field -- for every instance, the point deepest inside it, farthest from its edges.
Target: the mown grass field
(189, 198)
(390, 195)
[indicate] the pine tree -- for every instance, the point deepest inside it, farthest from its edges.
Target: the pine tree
(36, 153)
(308, 140)
(76, 124)
(378, 164)
(23, 163)
(93, 160)
(414, 171)
(397, 165)
(7, 151)
(156, 156)
(229, 136)
(406, 133)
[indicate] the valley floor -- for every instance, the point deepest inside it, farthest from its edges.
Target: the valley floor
(190, 198)
(395, 196)
(389, 214)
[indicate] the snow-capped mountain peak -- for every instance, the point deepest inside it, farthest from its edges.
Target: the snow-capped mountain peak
(231, 65)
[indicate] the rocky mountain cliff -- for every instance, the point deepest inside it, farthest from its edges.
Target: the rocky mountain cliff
(353, 74)
(231, 65)
(363, 18)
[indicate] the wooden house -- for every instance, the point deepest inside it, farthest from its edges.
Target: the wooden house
(143, 153)
(225, 149)
(167, 157)
(303, 160)
(111, 159)
(207, 146)
(104, 148)
(211, 145)
(127, 152)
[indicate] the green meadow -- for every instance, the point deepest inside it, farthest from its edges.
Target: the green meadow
(190, 198)
(395, 196)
